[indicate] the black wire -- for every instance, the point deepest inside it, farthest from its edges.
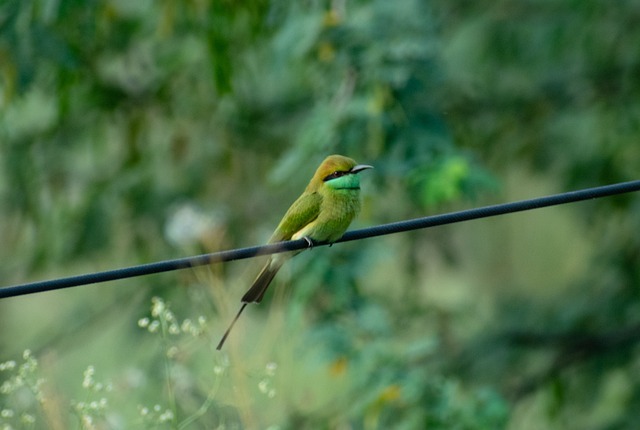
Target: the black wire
(380, 230)
(489, 211)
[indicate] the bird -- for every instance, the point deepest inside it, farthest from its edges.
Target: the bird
(322, 213)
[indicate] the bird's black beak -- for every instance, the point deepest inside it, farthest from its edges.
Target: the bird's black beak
(359, 168)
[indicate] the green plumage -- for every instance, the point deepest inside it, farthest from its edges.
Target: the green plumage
(322, 216)
(302, 212)
(322, 213)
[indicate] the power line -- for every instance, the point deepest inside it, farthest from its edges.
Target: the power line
(380, 230)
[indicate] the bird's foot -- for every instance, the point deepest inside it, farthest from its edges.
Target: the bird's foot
(309, 241)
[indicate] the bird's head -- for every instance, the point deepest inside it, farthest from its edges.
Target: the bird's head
(339, 173)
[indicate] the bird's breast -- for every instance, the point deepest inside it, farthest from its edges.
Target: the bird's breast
(337, 210)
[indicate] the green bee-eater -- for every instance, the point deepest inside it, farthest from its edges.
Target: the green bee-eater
(321, 214)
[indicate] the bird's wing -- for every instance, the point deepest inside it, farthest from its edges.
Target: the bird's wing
(302, 212)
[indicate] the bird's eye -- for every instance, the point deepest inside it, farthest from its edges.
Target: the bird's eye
(334, 175)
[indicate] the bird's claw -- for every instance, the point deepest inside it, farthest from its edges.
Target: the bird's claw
(309, 241)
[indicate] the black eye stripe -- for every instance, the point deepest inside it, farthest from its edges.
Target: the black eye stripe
(334, 175)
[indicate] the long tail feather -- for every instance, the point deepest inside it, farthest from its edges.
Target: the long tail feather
(226, 333)
(256, 292)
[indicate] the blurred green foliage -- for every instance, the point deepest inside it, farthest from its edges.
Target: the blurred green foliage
(137, 131)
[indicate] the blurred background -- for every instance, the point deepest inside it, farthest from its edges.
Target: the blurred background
(132, 132)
